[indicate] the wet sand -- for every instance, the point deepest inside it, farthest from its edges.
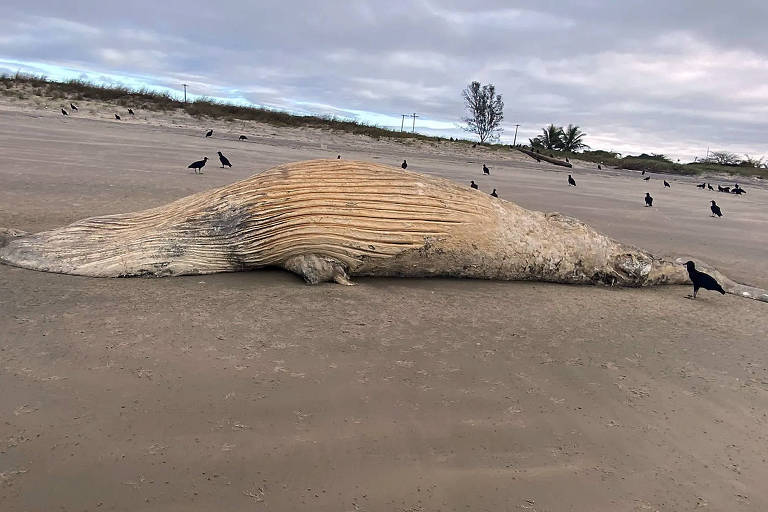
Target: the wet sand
(252, 391)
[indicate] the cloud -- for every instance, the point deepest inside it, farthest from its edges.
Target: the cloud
(654, 76)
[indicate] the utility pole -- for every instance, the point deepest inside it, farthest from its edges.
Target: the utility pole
(185, 92)
(514, 142)
(413, 130)
(402, 121)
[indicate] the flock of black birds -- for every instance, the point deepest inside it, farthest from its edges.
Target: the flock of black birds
(198, 165)
(698, 278)
(74, 108)
(472, 184)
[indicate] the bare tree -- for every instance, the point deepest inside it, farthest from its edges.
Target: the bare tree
(485, 111)
(752, 162)
(723, 158)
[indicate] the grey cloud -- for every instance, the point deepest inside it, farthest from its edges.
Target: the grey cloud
(636, 75)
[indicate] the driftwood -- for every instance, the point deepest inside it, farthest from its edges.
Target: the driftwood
(539, 156)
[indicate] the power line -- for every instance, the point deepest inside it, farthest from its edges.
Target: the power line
(402, 121)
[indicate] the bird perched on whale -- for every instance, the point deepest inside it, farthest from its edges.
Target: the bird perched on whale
(198, 166)
(702, 280)
(715, 209)
(224, 160)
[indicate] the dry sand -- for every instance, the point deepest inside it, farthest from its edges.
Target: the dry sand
(252, 391)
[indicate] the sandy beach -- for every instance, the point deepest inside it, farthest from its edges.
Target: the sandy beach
(253, 391)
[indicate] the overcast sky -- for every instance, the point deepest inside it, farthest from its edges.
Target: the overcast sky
(665, 76)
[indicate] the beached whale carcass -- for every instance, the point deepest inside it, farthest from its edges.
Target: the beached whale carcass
(328, 220)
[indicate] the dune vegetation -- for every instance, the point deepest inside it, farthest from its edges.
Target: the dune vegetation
(25, 86)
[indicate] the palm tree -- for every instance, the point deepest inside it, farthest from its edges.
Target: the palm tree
(550, 137)
(572, 139)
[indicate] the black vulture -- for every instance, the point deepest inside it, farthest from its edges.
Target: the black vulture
(198, 166)
(404, 165)
(224, 160)
(571, 181)
(702, 280)
(73, 106)
(243, 137)
(666, 184)
(473, 184)
(648, 199)
(130, 111)
(494, 194)
(209, 133)
(64, 112)
(486, 170)
(715, 210)
(117, 117)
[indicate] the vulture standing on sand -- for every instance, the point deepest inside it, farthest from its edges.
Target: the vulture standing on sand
(494, 194)
(486, 170)
(117, 117)
(646, 178)
(73, 107)
(715, 209)
(198, 166)
(243, 137)
(702, 280)
(209, 133)
(404, 165)
(224, 160)
(64, 112)
(666, 184)
(571, 181)
(648, 199)
(130, 111)
(709, 187)
(473, 185)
